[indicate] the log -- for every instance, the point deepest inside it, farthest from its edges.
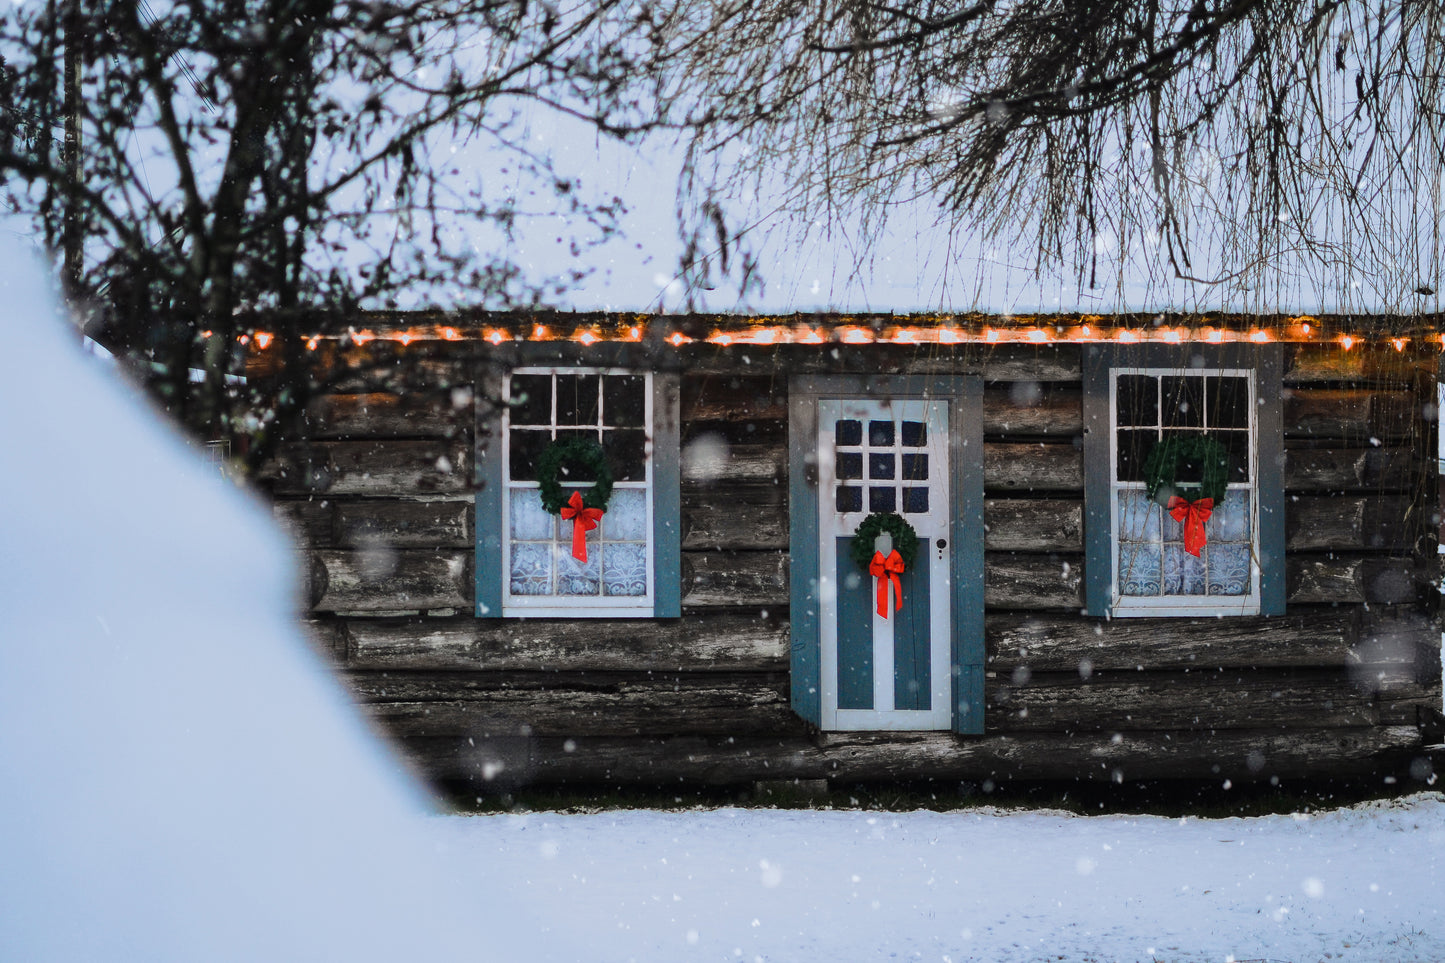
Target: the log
(412, 414)
(1346, 469)
(717, 642)
(737, 517)
(1033, 525)
(331, 523)
(1033, 467)
(1353, 579)
(1069, 643)
(1352, 415)
(711, 460)
(1233, 699)
(745, 398)
(1028, 408)
(1033, 581)
(1353, 522)
(1010, 362)
(1242, 756)
(401, 467)
(753, 579)
(419, 708)
(1323, 363)
(389, 580)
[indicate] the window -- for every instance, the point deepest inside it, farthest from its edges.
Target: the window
(526, 566)
(1210, 418)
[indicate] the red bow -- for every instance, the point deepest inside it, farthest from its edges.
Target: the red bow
(583, 521)
(887, 570)
(1193, 515)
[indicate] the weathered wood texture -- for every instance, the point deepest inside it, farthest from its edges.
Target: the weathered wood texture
(382, 495)
(1201, 699)
(480, 706)
(719, 641)
(1239, 755)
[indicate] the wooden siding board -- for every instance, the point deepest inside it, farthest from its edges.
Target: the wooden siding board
(1243, 756)
(716, 642)
(1040, 642)
(1230, 699)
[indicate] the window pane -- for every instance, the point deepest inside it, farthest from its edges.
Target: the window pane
(1138, 568)
(849, 464)
(1133, 449)
(1183, 401)
(1138, 516)
(627, 454)
(882, 499)
(529, 520)
(1227, 402)
(880, 465)
(1183, 573)
(849, 432)
(626, 516)
(577, 399)
(1237, 444)
(574, 577)
(880, 433)
(531, 399)
(915, 434)
(1230, 521)
(531, 569)
(526, 445)
(575, 474)
(623, 402)
(915, 468)
(849, 499)
(915, 501)
(1228, 569)
(624, 570)
(1137, 398)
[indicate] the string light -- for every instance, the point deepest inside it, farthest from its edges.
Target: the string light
(755, 333)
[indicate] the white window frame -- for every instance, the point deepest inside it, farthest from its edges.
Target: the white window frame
(1136, 606)
(590, 606)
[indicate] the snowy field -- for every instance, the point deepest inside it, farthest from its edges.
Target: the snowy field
(182, 779)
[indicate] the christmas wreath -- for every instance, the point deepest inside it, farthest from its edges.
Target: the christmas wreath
(583, 509)
(1189, 503)
(905, 539)
(885, 569)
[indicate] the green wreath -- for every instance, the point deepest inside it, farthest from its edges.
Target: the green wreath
(575, 453)
(905, 539)
(1162, 465)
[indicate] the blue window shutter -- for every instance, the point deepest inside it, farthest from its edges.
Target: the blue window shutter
(487, 570)
(1098, 548)
(966, 427)
(1269, 431)
(806, 688)
(666, 498)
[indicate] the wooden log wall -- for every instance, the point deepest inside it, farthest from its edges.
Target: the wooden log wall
(380, 499)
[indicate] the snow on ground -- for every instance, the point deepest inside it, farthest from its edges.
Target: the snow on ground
(182, 780)
(1362, 884)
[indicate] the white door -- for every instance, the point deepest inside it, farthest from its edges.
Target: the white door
(884, 672)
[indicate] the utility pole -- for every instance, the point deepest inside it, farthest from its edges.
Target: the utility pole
(72, 236)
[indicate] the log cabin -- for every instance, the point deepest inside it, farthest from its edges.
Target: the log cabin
(1067, 610)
